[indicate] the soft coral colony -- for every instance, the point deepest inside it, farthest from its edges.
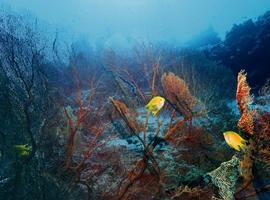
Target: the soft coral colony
(250, 161)
(148, 174)
(179, 99)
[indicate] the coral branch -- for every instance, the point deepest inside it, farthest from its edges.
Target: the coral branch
(74, 125)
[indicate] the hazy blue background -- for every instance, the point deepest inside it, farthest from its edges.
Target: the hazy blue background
(154, 20)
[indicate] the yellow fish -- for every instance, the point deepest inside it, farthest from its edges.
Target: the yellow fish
(234, 140)
(22, 149)
(155, 104)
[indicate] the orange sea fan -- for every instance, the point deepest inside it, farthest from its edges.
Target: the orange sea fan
(246, 122)
(244, 99)
(120, 106)
(177, 92)
(129, 116)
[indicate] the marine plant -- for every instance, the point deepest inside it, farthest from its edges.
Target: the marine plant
(135, 83)
(244, 100)
(129, 116)
(179, 132)
(177, 93)
(147, 162)
(253, 158)
(83, 122)
(74, 124)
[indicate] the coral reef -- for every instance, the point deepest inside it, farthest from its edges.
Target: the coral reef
(88, 134)
(225, 178)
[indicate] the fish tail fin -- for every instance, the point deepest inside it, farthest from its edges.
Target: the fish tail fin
(243, 145)
(154, 113)
(243, 141)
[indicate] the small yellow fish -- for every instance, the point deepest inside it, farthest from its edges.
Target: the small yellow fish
(234, 140)
(155, 104)
(22, 149)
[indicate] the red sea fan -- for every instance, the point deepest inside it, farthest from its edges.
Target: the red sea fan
(246, 122)
(177, 92)
(244, 99)
(128, 115)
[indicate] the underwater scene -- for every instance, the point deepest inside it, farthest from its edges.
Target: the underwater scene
(134, 100)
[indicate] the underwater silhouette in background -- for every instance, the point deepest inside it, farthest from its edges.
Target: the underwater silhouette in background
(156, 122)
(246, 46)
